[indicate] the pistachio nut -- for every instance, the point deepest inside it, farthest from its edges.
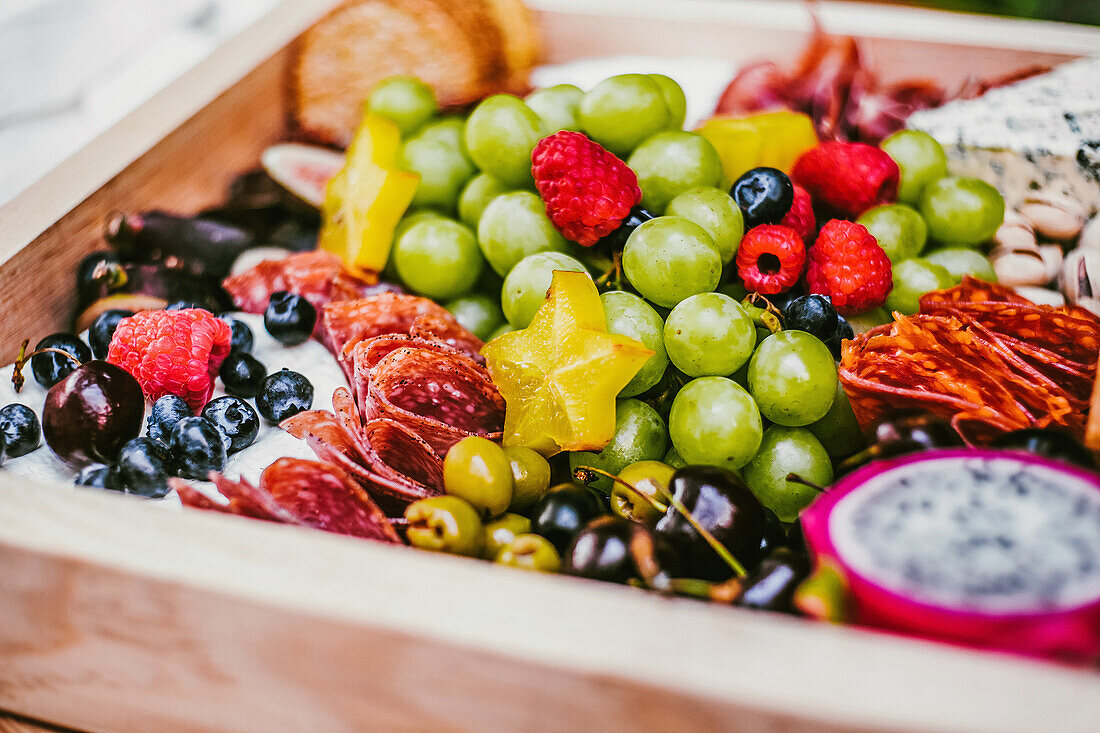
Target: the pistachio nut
(1090, 235)
(1052, 257)
(1019, 266)
(1053, 216)
(1041, 296)
(1015, 231)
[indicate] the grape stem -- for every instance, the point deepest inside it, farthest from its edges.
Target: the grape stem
(17, 378)
(796, 479)
(772, 317)
(727, 557)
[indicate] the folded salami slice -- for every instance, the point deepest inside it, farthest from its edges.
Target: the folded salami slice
(320, 277)
(305, 493)
(439, 392)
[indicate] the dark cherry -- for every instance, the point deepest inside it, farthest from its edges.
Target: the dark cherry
(764, 196)
(1051, 443)
(561, 513)
(612, 549)
(89, 414)
(772, 585)
(906, 431)
(724, 506)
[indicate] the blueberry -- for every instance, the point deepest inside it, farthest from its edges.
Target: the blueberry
(616, 240)
(103, 329)
(242, 374)
(235, 420)
(814, 314)
(166, 412)
(764, 195)
(197, 447)
(843, 331)
(142, 468)
(289, 318)
(98, 476)
(184, 304)
(283, 394)
(50, 367)
(242, 335)
(20, 431)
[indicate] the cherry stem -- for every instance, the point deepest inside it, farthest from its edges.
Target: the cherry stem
(715, 545)
(796, 479)
(17, 378)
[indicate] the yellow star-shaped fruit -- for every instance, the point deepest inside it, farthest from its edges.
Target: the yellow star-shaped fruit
(560, 375)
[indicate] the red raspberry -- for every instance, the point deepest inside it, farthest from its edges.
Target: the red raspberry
(847, 264)
(587, 190)
(770, 259)
(848, 178)
(801, 216)
(172, 352)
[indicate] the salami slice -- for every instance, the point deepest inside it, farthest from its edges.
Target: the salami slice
(438, 392)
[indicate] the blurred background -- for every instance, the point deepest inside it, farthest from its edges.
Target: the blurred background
(71, 68)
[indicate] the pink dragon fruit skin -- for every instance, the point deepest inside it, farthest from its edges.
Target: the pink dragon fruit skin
(1069, 633)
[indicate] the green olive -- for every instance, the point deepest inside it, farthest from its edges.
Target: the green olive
(647, 501)
(530, 552)
(530, 476)
(444, 524)
(477, 470)
(501, 531)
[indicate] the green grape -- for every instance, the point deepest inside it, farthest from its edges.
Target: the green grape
(899, 229)
(912, 279)
(504, 328)
(709, 334)
(407, 101)
(448, 131)
(668, 259)
(961, 211)
(960, 261)
(620, 112)
(714, 421)
(478, 313)
(526, 285)
(442, 166)
(412, 218)
(674, 459)
(717, 212)
(839, 431)
(672, 162)
(438, 258)
(513, 226)
(868, 320)
(556, 107)
(500, 134)
(675, 99)
(920, 159)
(792, 376)
(784, 451)
(476, 196)
(640, 435)
(629, 315)
(734, 289)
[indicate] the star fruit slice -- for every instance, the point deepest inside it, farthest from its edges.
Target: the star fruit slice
(559, 376)
(366, 199)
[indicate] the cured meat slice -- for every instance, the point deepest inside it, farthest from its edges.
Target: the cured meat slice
(439, 393)
(320, 277)
(300, 492)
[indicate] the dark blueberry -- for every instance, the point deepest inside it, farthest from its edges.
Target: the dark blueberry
(184, 304)
(563, 511)
(814, 314)
(843, 332)
(242, 335)
(98, 476)
(103, 328)
(235, 420)
(20, 431)
(242, 374)
(50, 367)
(283, 394)
(166, 412)
(1051, 443)
(142, 468)
(289, 318)
(197, 448)
(764, 196)
(616, 240)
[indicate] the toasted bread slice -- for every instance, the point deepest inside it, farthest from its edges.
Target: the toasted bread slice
(454, 45)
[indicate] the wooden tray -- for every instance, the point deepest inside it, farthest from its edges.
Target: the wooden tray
(116, 614)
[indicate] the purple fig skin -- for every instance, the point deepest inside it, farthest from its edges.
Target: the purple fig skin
(90, 413)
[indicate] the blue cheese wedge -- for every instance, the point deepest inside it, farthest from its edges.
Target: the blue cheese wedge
(1042, 133)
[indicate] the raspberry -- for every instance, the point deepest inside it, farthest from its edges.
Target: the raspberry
(848, 178)
(848, 265)
(587, 190)
(172, 352)
(770, 259)
(801, 216)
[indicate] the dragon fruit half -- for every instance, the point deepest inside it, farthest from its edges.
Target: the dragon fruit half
(984, 548)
